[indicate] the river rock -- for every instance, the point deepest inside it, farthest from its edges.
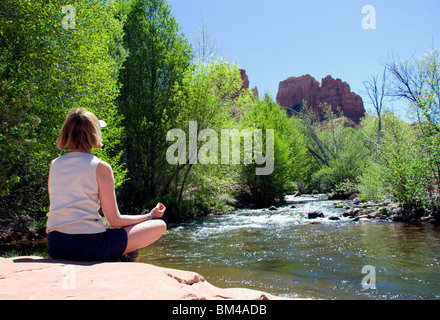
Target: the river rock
(358, 218)
(348, 213)
(352, 212)
(373, 215)
(272, 208)
(397, 218)
(25, 278)
(334, 218)
(315, 214)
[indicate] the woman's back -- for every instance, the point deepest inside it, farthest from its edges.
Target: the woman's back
(74, 197)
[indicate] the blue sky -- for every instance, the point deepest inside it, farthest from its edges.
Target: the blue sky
(277, 39)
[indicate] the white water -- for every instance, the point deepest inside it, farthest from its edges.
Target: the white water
(280, 252)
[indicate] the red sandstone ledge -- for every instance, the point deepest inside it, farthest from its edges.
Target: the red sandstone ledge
(25, 278)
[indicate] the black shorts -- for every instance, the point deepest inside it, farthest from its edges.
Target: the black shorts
(105, 246)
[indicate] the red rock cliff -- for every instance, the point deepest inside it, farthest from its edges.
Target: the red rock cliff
(292, 91)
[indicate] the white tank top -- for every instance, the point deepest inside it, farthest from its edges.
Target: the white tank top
(74, 198)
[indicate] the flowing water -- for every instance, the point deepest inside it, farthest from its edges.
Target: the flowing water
(281, 253)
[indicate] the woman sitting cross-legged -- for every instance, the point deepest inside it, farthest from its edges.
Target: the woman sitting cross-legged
(79, 184)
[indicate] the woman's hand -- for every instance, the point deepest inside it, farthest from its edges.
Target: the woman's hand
(158, 211)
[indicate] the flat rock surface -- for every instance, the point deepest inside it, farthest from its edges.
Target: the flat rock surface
(24, 278)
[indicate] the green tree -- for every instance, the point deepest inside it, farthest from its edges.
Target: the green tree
(413, 153)
(208, 99)
(338, 151)
(289, 152)
(45, 70)
(400, 168)
(158, 57)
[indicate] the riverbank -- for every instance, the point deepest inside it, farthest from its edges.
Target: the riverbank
(16, 236)
(36, 278)
(357, 210)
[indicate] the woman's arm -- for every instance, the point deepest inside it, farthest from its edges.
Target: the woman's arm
(107, 196)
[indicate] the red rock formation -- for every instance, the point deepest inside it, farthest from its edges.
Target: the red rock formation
(245, 79)
(24, 278)
(294, 90)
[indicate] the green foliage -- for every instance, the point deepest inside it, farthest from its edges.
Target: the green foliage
(401, 166)
(344, 189)
(45, 70)
(407, 157)
(338, 152)
(208, 97)
(128, 62)
(289, 152)
(158, 58)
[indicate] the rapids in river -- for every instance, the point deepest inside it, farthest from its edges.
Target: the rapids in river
(281, 252)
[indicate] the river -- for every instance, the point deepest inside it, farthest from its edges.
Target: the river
(281, 253)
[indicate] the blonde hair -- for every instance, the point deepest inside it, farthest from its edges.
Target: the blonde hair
(81, 131)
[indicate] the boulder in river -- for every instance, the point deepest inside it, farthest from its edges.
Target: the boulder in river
(315, 214)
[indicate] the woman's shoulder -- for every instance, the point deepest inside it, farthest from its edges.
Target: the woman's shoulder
(104, 167)
(104, 173)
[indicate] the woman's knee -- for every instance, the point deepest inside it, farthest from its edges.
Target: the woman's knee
(144, 234)
(162, 226)
(157, 227)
